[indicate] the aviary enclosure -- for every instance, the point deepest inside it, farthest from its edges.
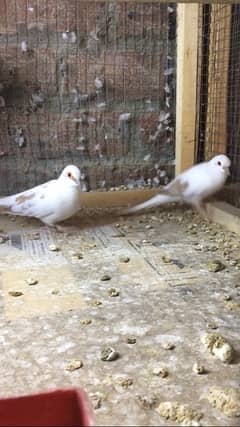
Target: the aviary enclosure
(140, 311)
(89, 82)
(95, 83)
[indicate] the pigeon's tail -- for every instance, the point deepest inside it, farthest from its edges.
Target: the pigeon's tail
(6, 204)
(159, 199)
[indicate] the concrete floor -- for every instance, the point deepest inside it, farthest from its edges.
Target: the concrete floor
(166, 299)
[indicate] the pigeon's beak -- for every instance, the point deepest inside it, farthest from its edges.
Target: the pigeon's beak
(227, 171)
(75, 180)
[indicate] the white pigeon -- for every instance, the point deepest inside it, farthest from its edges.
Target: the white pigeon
(51, 202)
(192, 186)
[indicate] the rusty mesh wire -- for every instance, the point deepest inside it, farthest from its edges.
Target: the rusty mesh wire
(90, 83)
(219, 89)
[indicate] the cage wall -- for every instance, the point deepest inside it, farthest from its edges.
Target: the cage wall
(219, 89)
(90, 83)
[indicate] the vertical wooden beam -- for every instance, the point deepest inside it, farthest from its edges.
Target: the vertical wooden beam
(219, 46)
(186, 107)
(199, 79)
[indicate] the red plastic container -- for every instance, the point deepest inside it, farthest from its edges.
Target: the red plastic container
(64, 407)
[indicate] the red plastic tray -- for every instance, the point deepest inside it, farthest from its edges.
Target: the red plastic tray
(64, 407)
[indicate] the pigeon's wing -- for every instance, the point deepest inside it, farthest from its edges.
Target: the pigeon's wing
(188, 182)
(177, 187)
(193, 183)
(34, 203)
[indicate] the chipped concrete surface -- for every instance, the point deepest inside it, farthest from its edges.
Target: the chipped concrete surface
(167, 300)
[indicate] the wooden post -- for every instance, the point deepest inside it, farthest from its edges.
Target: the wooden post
(219, 45)
(186, 102)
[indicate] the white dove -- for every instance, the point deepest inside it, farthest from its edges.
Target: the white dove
(192, 186)
(51, 202)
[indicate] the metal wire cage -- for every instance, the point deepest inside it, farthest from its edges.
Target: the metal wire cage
(90, 83)
(219, 89)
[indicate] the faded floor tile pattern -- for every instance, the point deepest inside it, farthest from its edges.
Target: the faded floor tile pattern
(141, 286)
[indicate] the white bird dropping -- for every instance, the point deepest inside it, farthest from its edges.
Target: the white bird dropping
(98, 83)
(24, 46)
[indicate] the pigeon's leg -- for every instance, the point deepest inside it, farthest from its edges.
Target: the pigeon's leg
(201, 208)
(64, 229)
(67, 229)
(52, 226)
(59, 228)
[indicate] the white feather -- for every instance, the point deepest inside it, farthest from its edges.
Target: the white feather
(51, 202)
(193, 185)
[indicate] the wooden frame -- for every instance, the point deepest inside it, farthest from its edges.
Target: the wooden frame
(187, 108)
(219, 46)
(186, 101)
(115, 199)
(225, 214)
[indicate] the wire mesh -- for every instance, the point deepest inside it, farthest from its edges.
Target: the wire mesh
(219, 80)
(90, 83)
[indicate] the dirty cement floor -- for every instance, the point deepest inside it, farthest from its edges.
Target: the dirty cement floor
(167, 298)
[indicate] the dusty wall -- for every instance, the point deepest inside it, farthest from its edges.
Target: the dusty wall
(87, 82)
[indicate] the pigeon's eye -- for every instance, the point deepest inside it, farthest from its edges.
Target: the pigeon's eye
(219, 164)
(69, 175)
